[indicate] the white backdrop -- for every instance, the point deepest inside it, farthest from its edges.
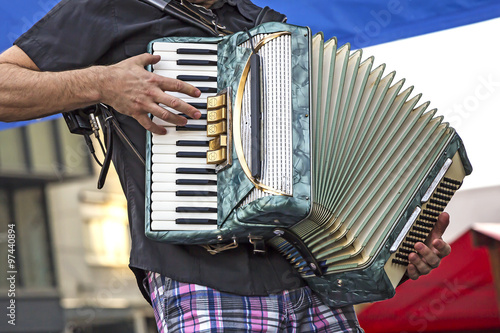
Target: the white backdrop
(458, 70)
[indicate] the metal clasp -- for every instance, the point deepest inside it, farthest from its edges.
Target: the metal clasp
(259, 244)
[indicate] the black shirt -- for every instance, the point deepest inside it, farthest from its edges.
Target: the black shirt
(80, 33)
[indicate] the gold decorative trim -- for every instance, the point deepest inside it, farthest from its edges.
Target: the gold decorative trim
(237, 119)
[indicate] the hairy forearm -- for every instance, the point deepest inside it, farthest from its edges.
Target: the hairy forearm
(28, 94)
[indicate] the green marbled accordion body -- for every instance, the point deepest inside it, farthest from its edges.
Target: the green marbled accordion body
(361, 171)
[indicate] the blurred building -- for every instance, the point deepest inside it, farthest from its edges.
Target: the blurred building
(71, 241)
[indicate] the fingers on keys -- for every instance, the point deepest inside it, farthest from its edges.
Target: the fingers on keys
(426, 259)
(172, 85)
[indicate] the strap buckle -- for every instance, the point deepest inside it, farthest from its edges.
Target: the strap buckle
(259, 244)
(218, 248)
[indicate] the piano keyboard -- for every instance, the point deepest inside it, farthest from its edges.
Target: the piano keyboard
(183, 185)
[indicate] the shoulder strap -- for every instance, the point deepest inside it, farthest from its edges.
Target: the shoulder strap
(269, 15)
(187, 12)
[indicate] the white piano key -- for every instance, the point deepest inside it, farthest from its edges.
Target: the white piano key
(186, 134)
(172, 187)
(171, 158)
(171, 207)
(167, 167)
(203, 84)
(171, 216)
(188, 99)
(173, 47)
(202, 111)
(172, 149)
(162, 177)
(189, 122)
(170, 225)
(165, 56)
(167, 149)
(171, 197)
(187, 69)
(171, 139)
(173, 74)
(162, 174)
(171, 177)
(195, 100)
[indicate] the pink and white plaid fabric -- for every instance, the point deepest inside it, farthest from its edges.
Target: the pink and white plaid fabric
(184, 307)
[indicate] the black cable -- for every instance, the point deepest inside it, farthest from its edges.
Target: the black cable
(107, 157)
(251, 40)
(90, 145)
(94, 124)
(102, 146)
(96, 159)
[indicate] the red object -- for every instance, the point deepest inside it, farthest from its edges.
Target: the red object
(458, 296)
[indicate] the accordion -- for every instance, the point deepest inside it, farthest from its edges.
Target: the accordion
(306, 147)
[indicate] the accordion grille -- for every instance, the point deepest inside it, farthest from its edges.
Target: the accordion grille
(276, 125)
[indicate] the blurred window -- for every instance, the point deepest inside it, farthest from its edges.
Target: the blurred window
(23, 209)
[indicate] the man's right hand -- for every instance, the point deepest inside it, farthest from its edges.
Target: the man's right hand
(28, 93)
(135, 92)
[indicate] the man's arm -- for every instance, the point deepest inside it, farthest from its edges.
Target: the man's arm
(28, 93)
(430, 254)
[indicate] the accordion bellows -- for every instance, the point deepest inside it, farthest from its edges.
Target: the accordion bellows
(375, 153)
(362, 167)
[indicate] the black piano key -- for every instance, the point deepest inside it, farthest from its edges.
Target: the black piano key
(191, 154)
(203, 116)
(195, 221)
(196, 51)
(195, 182)
(197, 78)
(208, 90)
(196, 210)
(199, 105)
(192, 143)
(195, 171)
(196, 128)
(196, 62)
(196, 193)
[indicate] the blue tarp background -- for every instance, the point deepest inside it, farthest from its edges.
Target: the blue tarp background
(370, 22)
(359, 22)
